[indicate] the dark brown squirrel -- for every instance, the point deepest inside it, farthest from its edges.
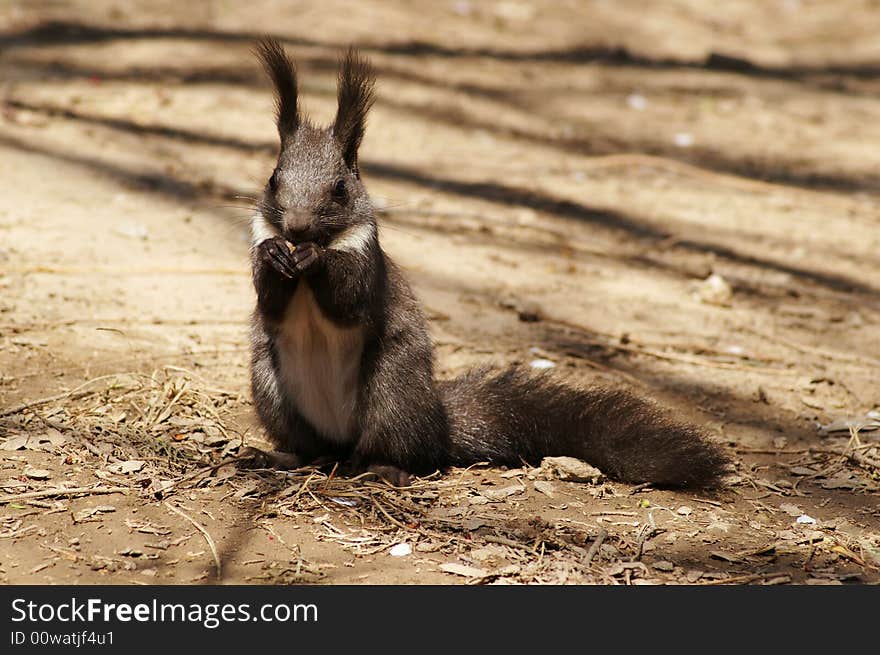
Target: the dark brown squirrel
(342, 364)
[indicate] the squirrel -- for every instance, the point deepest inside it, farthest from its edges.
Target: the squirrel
(342, 365)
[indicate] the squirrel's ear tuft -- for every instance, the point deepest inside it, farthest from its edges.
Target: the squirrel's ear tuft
(282, 70)
(356, 95)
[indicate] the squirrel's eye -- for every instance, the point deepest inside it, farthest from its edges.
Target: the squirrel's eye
(273, 181)
(340, 194)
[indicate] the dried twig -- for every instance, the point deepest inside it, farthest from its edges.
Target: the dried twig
(385, 513)
(698, 361)
(114, 271)
(647, 532)
(504, 541)
(78, 392)
(853, 453)
(743, 579)
(57, 493)
(637, 349)
(201, 471)
(594, 547)
(860, 359)
(204, 532)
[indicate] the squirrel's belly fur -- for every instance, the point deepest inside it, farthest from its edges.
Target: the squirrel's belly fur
(320, 364)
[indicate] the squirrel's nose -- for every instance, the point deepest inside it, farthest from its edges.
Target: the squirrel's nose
(296, 223)
(300, 235)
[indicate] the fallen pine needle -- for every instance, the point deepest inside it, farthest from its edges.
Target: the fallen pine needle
(387, 515)
(202, 471)
(75, 491)
(73, 393)
(204, 532)
(114, 271)
(594, 548)
(743, 579)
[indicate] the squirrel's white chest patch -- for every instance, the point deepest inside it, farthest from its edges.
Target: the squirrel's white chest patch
(320, 363)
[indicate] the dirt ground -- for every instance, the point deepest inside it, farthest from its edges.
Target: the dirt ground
(589, 164)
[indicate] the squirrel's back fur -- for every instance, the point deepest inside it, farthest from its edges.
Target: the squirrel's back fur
(342, 362)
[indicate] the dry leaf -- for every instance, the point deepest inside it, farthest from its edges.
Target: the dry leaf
(864, 423)
(463, 570)
(37, 474)
(48, 441)
(872, 551)
(131, 466)
(513, 473)
(570, 468)
(157, 487)
(545, 488)
(503, 492)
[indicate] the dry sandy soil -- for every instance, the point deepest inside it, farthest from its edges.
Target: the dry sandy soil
(592, 162)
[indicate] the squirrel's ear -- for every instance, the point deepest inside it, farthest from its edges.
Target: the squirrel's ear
(356, 95)
(282, 70)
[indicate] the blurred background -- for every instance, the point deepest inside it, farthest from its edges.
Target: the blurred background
(606, 158)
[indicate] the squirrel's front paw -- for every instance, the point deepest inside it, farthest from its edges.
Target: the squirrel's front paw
(288, 260)
(306, 255)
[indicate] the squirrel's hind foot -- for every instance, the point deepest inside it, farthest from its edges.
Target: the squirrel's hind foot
(254, 458)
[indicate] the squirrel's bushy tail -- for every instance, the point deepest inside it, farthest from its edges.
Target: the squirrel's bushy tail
(510, 415)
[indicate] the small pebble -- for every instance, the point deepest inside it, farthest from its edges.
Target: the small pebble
(683, 140)
(636, 101)
(400, 550)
